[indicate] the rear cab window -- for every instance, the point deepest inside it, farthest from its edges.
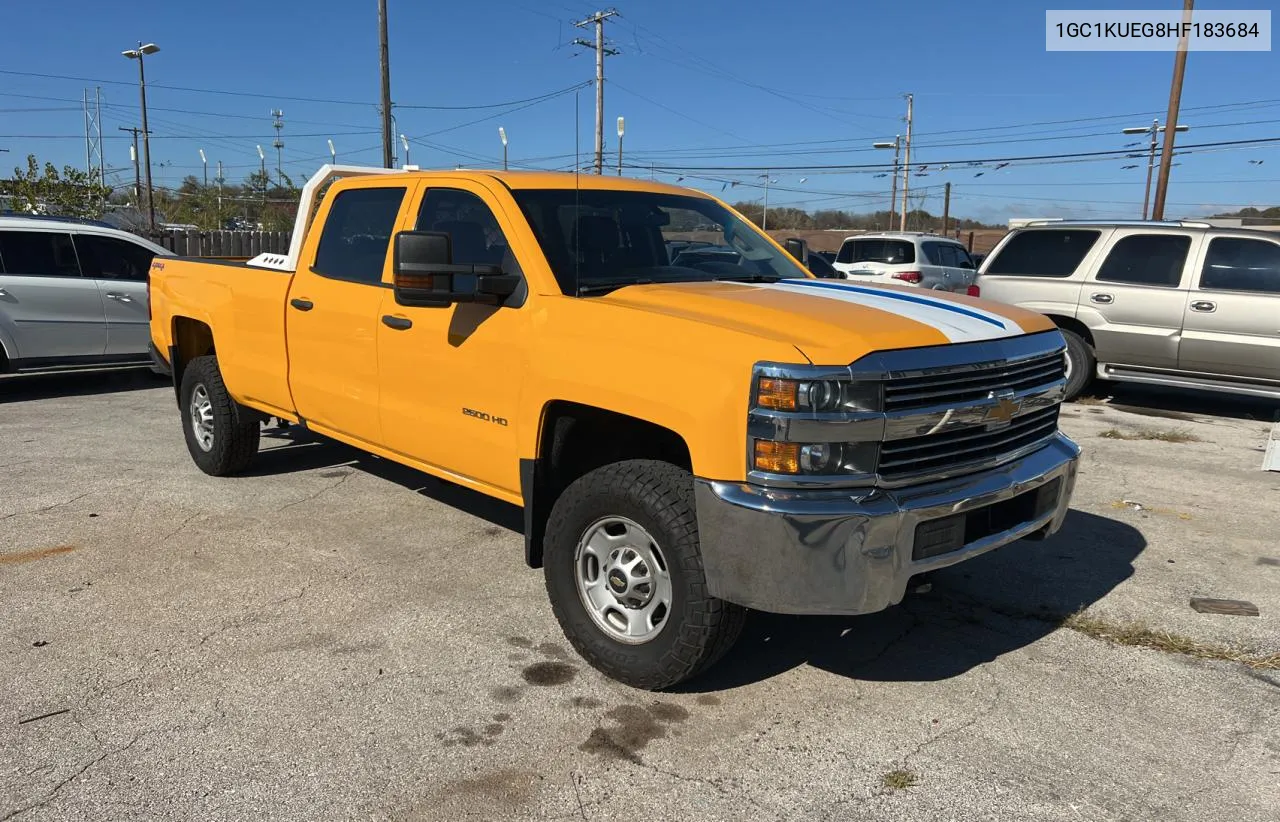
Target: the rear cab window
(1043, 253)
(1146, 259)
(1240, 264)
(356, 237)
(38, 254)
(872, 250)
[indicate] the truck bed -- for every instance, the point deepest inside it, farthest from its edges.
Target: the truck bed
(247, 307)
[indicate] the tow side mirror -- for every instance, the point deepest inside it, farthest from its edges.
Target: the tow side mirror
(424, 274)
(797, 248)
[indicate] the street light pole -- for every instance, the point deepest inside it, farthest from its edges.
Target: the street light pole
(1175, 100)
(204, 162)
(502, 135)
(896, 145)
(620, 132)
(906, 166)
(1154, 130)
(138, 54)
(404, 141)
(333, 154)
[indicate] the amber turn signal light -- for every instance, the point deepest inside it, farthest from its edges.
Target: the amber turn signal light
(777, 457)
(778, 394)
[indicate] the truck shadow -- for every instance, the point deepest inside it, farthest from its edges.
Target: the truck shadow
(292, 449)
(974, 613)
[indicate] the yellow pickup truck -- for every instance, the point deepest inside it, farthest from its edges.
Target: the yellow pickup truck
(691, 422)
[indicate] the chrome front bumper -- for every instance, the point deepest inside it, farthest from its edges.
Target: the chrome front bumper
(851, 551)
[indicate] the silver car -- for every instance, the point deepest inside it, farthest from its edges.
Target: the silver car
(1182, 303)
(72, 294)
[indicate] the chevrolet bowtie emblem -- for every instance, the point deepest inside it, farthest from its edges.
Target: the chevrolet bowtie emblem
(1003, 411)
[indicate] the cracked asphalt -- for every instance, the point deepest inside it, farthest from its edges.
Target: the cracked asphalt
(334, 636)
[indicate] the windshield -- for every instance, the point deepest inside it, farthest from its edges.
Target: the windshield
(598, 240)
(891, 252)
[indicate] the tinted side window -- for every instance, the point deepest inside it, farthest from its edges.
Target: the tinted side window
(112, 258)
(1234, 264)
(357, 234)
(473, 231)
(1147, 259)
(38, 254)
(1055, 253)
(935, 253)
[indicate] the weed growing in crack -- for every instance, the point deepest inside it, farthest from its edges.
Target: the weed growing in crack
(899, 779)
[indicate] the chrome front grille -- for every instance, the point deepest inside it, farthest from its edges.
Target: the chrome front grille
(964, 385)
(934, 453)
(931, 413)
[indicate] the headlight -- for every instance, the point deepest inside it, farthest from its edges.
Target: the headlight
(818, 396)
(815, 458)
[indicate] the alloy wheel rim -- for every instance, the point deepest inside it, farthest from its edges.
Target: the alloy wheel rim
(201, 409)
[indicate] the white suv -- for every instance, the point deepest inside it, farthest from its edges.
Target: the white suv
(906, 258)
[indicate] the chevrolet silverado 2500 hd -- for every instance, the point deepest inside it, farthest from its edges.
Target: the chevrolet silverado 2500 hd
(688, 438)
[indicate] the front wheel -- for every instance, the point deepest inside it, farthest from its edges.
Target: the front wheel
(1080, 364)
(221, 435)
(624, 573)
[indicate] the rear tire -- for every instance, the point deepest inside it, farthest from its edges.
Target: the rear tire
(221, 434)
(637, 514)
(1081, 364)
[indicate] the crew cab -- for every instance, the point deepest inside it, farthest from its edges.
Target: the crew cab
(687, 440)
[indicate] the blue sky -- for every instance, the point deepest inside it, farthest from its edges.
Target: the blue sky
(701, 84)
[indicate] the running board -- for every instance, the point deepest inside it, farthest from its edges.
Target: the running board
(1106, 371)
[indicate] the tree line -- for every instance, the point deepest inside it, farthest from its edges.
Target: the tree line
(798, 219)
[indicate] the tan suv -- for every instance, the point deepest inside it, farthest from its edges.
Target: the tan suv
(1181, 304)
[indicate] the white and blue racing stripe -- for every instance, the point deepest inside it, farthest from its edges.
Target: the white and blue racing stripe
(959, 323)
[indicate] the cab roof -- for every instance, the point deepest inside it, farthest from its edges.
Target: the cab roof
(519, 180)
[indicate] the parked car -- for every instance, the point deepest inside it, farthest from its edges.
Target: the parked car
(906, 258)
(1180, 304)
(72, 293)
(686, 443)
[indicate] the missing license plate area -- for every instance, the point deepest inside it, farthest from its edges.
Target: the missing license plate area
(942, 536)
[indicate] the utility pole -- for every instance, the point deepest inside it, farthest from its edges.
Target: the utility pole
(946, 208)
(896, 145)
(385, 61)
(219, 180)
(1175, 100)
(137, 173)
(278, 124)
(764, 218)
(906, 167)
(601, 50)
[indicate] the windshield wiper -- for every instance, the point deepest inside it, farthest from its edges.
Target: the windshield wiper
(609, 285)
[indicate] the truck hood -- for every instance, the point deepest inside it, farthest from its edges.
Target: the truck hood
(833, 322)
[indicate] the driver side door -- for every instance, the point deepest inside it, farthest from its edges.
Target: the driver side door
(450, 377)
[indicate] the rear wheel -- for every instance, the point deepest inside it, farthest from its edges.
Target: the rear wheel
(1080, 364)
(624, 573)
(221, 434)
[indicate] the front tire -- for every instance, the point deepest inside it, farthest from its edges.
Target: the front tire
(221, 434)
(1080, 364)
(624, 574)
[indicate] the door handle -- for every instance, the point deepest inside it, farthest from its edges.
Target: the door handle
(1204, 306)
(398, 323)
(1101, 299)
(118, 297)
(302, 305)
